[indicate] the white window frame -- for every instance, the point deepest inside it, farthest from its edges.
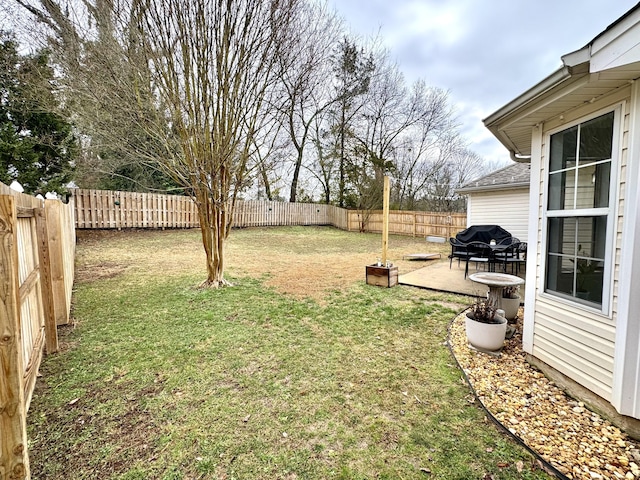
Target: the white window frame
(610, 212)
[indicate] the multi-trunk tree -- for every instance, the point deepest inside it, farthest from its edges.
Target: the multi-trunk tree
(212, 65)
(179, 84)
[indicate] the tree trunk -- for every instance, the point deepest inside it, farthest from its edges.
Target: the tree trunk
(341, 181)
(266, 183)
(296, 174)
(213, 228)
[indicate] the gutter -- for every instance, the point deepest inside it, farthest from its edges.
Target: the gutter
(496, 121)
(487, 188)
(516, 157)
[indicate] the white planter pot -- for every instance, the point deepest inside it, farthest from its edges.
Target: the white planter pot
(510, 307)
(486, 336)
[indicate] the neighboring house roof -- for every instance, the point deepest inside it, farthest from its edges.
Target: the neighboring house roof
(513, 176)
(611, 60)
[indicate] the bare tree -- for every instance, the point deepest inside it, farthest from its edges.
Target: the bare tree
(269, 153)
(323, 169)
(455, 166)
(387, 113)
(228, 95)
(214, 62)
(425, 146)
(396, 120)
(189, 78)
(306, 80)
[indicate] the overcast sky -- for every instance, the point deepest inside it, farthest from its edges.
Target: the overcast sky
(485, 52)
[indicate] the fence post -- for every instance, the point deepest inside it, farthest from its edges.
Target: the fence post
(414, 223)
(56, 256)
(48, 303)
(14, 462)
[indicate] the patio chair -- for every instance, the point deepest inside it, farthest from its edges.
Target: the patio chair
(519, 257)
(506, 251)
(479, 253)
(458, 250)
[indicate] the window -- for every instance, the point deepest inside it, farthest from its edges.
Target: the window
(579, 210)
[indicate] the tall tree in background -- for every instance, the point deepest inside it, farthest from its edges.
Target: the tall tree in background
(353, 69)
(394, 118)
(268, 155)
(37, 145)
(305, 81)
(424, 149)
(93, 53)
(227, 97)
(456, 167)
(324, 166)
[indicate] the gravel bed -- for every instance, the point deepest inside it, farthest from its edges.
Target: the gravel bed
(576, 441)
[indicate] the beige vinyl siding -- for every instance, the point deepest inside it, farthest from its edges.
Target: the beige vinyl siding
(507, 208)
(580, 342)
(622, 186)
(576, 343)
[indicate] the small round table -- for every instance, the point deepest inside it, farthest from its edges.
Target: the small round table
(496, 281)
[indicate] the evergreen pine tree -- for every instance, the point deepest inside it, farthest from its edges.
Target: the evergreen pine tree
(37, 145)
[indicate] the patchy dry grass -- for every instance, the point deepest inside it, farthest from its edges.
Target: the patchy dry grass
(299, 371)
(299, 261)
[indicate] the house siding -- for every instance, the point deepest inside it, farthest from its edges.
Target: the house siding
(507, 208)
(626, 379)
(578, 341)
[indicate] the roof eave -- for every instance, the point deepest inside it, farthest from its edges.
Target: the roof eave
(577, 58)
(556, 78)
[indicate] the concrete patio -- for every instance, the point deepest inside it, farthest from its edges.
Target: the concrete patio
(436, 275)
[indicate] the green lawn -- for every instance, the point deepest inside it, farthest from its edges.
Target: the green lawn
(161, 380)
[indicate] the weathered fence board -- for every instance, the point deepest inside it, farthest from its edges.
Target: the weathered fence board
(14, 461)
(257, 213)
(48, 304)
(37, 248)
(61, 245)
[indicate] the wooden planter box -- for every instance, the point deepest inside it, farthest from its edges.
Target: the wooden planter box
(382, 276)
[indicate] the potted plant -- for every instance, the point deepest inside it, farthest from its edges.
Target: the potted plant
(510, 302)
(486, 330)
(585, 269)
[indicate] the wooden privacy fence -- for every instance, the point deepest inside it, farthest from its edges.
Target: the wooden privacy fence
(37, 248)
(250, 213)
(409, 223)
(107, 209)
